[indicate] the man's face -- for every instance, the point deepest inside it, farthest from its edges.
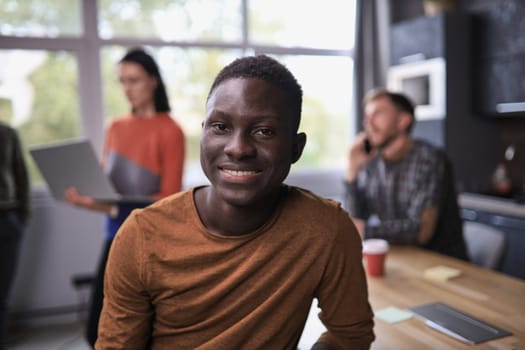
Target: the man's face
(383, 121)
(248, 143)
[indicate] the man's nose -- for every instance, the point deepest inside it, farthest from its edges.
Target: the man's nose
(240, 145)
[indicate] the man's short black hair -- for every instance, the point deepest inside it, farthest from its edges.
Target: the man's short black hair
(270, 70)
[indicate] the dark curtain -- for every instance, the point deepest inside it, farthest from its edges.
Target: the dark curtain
(371, 54)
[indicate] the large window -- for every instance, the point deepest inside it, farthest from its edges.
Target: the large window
(38, 96)
(170, 20)
(40, 18)
(58, 71)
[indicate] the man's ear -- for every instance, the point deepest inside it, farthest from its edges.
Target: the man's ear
(298, 146)
(405, 119)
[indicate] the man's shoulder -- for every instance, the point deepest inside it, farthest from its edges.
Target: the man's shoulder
(174, 206)
(306, 201)
(325, 217)
(159, 220)
(426, 150)
(305, 195)
(426, 146)
(175, 199)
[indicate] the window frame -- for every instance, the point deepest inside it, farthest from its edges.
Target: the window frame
(87, 48)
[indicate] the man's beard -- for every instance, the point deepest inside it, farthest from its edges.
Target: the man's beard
(388, 140)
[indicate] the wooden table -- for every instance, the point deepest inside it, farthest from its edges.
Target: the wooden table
(488, 295)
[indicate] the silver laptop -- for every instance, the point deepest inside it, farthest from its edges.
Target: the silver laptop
(73, 163)
(457, 324)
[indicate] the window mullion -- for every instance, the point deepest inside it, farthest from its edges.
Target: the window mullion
(90, 81)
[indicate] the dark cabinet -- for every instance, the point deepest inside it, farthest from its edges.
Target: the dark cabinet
(420, 38)
(499, 66)
(500, 28)
(500, 86)
(471, 142)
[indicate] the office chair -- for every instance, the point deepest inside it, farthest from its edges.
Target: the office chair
(485, 244)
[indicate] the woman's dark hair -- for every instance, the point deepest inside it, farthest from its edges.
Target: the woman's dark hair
(139, 56)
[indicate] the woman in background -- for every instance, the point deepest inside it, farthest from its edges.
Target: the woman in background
(143, 156)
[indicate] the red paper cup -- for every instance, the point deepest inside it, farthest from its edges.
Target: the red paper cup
(374, 253)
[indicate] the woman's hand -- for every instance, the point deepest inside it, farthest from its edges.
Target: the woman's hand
(72, 196)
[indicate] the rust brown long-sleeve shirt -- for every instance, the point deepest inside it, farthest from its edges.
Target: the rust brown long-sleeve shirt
(171, 284)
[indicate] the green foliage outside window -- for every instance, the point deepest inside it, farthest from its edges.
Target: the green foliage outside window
(55, 108)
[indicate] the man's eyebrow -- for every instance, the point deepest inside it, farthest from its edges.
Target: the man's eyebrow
(217, 112)
(263, 116)
(266, 116)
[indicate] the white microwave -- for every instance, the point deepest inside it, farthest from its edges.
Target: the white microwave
(424, 82)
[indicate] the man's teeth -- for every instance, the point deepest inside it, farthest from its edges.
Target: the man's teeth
(240, 172)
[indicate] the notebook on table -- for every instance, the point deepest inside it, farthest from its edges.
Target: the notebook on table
(73, 163)
(457, 324)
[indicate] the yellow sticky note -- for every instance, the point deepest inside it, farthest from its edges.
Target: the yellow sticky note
(441, 273)
(392, 314)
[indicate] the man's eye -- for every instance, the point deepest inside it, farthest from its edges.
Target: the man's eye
(219, 127)
(264, 132)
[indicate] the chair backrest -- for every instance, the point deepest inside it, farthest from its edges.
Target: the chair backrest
(485, 244)
(448, 236)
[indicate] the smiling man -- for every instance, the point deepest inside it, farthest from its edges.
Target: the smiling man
(236, 264)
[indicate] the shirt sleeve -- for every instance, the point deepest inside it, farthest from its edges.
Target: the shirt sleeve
(343, 293)
(126, 318)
